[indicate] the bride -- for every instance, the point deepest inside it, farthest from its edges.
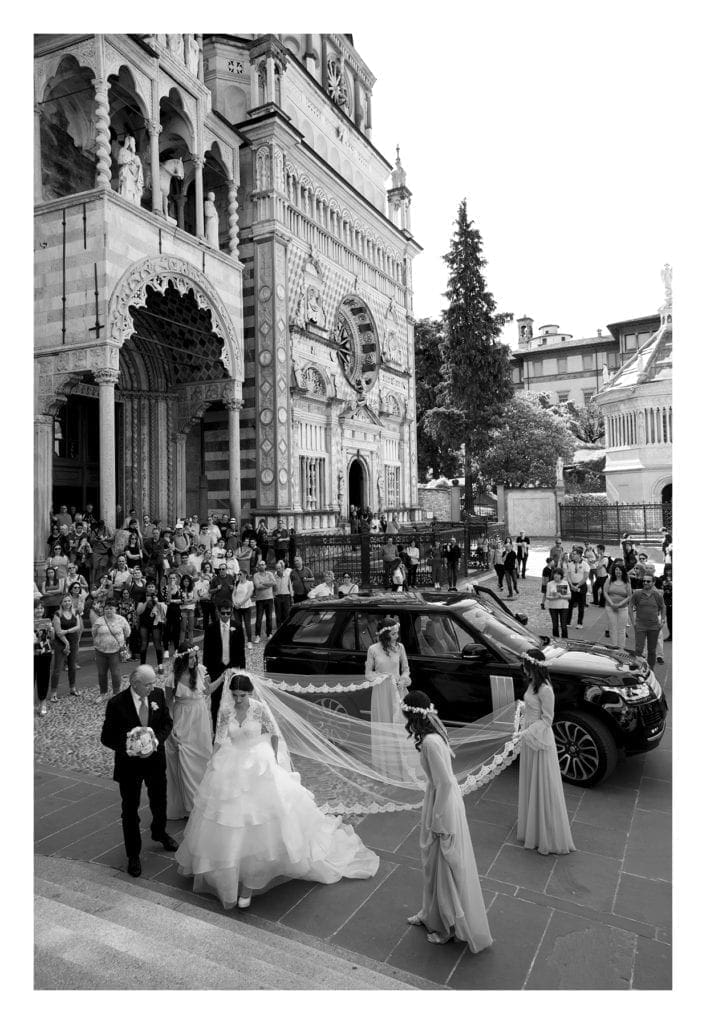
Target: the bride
(253, 824)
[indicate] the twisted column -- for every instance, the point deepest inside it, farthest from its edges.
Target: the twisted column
(232, 217)
(153, 130)
(102, 134)
(106, 380)
(198, 192)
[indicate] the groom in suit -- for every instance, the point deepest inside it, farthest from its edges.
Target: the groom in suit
(223, 647)
(140, 704)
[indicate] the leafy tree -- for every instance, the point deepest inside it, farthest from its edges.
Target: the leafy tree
(524, 449)
(432, 455)
(475, 365)
(584, 421)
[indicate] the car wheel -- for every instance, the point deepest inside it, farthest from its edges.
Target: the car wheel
(587, 751)
(332, 730)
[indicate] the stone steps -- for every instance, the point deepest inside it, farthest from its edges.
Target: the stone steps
(94, 930)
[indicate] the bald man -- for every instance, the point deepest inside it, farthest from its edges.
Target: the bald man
(141, 704)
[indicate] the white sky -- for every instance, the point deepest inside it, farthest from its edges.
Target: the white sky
(553, 126)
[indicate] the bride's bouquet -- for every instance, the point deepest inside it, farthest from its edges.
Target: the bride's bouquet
(141, 741)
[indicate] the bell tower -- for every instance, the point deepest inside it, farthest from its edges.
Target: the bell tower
(399, 197)
(524, 327)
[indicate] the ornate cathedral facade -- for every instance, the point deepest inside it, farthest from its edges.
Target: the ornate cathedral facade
(223, 310)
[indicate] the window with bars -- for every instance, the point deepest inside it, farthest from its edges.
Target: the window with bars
(312, 481)
(392, 486)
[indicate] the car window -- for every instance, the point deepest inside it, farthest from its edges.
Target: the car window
(439, 635)
(347, 641)
(367, 628)
(313, 627)
(500, 630)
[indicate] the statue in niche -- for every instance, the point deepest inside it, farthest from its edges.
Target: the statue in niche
(175, 42)
(605, 373)
(559, 471)
(314, 308)
(210, 219)
(263, 169)
(299, 317)
(130, 177)
(192, 54)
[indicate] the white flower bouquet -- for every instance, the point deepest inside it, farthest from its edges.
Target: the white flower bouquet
(141, 741)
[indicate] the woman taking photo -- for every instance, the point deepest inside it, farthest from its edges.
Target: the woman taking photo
(542, 821)
(617, 592)
(66, 632)
(111, 633)
(190, 743)
(452, 900)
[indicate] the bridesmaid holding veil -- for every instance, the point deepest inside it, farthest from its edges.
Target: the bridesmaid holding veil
(386, 665)
(452, 900)
(542, 821)
(190, 744)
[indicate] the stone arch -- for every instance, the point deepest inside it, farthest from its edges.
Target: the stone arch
(67, 110)
(157, 272)
(658, 486)
(316, 381)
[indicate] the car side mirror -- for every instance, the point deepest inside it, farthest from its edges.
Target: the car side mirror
(474, 652)
(521, 618)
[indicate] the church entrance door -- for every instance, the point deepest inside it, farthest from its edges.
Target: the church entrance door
(356, 484)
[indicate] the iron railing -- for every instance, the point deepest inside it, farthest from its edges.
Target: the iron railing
(608, 523)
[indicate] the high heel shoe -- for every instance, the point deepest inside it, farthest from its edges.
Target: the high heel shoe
(244, 902)
(438, 939)
(415, 919)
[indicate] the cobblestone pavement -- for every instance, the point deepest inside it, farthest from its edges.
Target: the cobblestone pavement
(599, 918)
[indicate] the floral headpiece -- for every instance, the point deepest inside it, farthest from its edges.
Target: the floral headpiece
(425, 712)
(529, 660)
(188, 653)
(387, 629)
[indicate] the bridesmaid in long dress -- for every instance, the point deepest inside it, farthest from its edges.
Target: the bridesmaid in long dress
(387, 661)
(190, 744)
(542, 821)
(452, 900)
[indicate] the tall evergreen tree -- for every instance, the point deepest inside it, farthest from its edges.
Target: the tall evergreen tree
(432, 455)
(476, 378)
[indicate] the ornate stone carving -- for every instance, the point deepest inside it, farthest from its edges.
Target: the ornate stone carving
(232, 217)
(262, 169)
(313, 381)
(158, 272)
(102, 134)
(210, 214)
(130, 178)
(106, 376)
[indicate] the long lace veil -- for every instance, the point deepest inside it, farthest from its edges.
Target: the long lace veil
(338, 756)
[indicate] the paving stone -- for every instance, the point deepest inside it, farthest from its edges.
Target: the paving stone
(653, 965)
(586, 879)
(387, 831)
(655, 795)
(628, 773)
(57, 840)
(607, 842)
(517, 928)
(645, 900)
(503, 789)
(380, 923)
(326, 908)
(626, 924)
(580, 954)
(410, 847)
(48, 805)
(608, 806)
(522, 867)
(74, 813)
(493, 812)
(276, 902)
(487, 840)
(649, 849)
(659, 764)
(414, 953)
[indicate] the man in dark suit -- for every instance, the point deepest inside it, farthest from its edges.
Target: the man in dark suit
(223, 647)
(140, 704)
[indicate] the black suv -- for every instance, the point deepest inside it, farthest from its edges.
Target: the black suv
(465, 652)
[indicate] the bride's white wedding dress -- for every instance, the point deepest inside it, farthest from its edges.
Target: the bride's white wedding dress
(254, 824)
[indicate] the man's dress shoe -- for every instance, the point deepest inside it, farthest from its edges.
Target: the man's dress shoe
(134, 867)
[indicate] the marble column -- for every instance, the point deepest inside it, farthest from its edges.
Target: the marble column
(234, 405)
(106, 380)
(180, 472)
(103, 165)
(38, 155)
(43, 465)
(270, 72)
(198, 192)
(153, 129)
(232, 218)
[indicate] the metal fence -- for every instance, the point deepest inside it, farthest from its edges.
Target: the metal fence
(608, 523)
(361, 555)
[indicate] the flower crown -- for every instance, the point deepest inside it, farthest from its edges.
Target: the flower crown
(425, 712)
(387, 629)
(187, 653)
(532, 661)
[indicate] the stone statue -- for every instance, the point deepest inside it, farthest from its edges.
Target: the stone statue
(667, 282)
(192, 54)
(175, 42)
(559, 471)
(210, 217)
(130, 178)
(605, 373)
(314, 307)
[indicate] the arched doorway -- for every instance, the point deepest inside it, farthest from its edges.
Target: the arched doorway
(667, 494)
(356, 484)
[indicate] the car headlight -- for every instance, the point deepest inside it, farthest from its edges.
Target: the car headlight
(655, 685)
(631, 693)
